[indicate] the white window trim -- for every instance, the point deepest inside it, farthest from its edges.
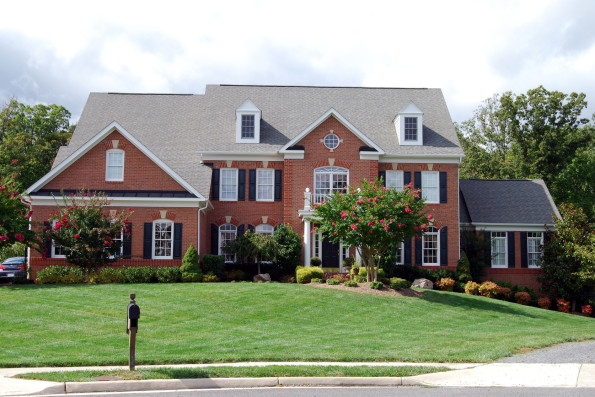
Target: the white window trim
(53, 253)
(248, 108)
(423, 241)
(411, 110)
(153, 256)
(222, 170)
(332, 171)
(258, 179)
(258, 229)
(540, 248)
(402, 248)
(221, 252)
(505, 265)
(399, 176)
(436, 175)
(107, 166)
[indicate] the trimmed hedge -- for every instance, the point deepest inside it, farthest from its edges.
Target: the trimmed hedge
(61, 275)
(304, 275)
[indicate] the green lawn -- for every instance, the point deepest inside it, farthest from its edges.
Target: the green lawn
(224, 322)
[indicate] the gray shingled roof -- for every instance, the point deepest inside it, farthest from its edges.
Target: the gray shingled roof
(525, 201)
(177, 127)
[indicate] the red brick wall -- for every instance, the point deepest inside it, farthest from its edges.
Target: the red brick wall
(88, 172)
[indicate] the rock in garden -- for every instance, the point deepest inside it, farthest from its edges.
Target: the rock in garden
(262, 277)
(422, 283)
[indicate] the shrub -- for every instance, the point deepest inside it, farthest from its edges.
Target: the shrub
(213, 264)
(315, 261)
(190, 269)
(210, 278)
(234, 275)
(397, 283)
(489, 289)
(362, 275)
(463, 265)
(289, 248)
(522, 298)
(317, 281)
(544, 303)
(61, 275)
(350, 283)
(472, 288)
(438, 274)
(505, 293)
(333, 281)
(169, 274)
(139, 274)
(563, 305)
(376, 285)
(446, 284)
(304, 275)
(110, 275)
(587, 310)
(341, 277)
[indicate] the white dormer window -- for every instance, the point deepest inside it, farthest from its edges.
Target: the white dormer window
(248, 123)
(409, 125)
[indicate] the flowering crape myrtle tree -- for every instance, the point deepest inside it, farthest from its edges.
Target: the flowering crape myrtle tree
(14, 216)
(90, 237)
(372, 218)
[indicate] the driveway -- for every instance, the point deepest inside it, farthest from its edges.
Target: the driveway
(575, 352)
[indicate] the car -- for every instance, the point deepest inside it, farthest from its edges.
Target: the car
(13, 267)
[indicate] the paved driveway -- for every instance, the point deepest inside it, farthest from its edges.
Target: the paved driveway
(575, 352)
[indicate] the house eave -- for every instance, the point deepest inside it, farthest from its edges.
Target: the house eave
(241, 156)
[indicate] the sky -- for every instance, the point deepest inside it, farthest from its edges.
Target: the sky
(57, 52)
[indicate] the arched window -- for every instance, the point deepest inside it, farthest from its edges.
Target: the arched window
(163, 239)
(114, 165)
(328, 180)
(227, 234)
(264, 229)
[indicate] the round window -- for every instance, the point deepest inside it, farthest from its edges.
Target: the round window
(331, 141)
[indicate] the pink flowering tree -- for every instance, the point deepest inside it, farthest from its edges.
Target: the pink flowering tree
(89, 235)
(14, 216)
(372, 218)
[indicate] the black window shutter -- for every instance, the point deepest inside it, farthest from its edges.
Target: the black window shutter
(252, 185)
(524, 260)
(148, 241)
(48, 242)
(510, 236)
(407, 253)
(177, 240)
(214, 239)
(251, 228)
(215, 185)
(240, 231)
(406, 178)
(241, 185)
(127, 244)
(418, 252)
(487, 236)
(443, 187)
(278, 185)
(382, 175)
(443, 246)
(417, 182)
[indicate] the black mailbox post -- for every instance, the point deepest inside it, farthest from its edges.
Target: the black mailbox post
(132, 316)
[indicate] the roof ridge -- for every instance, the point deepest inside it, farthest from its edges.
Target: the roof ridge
(323, 86)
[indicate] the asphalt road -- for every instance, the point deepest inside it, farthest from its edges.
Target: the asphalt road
(575, 352)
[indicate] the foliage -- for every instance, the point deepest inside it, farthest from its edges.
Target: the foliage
(30, 137)
(474, 246)
(505, 293)
(12, 250)
(587, 310)
(289, 248)
(350, 283)
(362, 275)
(372, 218)
(317, 281)
(399, 283)
(60, 275)
(341, 277)
(253, 247)
(234, 275)
(575, 183)
(472, 288)
(315, 261)
(109, 275)
(568, 266)
(563, 305)
(333, 281)
(190, 269)
(210, 278)
(139, 274)
(376, 285)
(489, 289)
(464, 268)
(544, 303)
(304, 275)
(213, 264)
(14, 217)
(446, 284)
(168, 274)
(522, 298)
(89, 236)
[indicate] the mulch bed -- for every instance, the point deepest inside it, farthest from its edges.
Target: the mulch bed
(364, 288)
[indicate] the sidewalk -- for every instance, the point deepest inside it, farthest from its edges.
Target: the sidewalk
(462, 375)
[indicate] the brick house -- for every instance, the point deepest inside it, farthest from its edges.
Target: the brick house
(202, 169)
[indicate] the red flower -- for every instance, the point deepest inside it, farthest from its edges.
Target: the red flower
(76, 236)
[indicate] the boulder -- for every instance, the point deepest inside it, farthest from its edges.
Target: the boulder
(262, 278)
(422, 283)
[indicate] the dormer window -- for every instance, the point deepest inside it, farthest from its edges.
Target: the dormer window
(409, 125)
(248, 123)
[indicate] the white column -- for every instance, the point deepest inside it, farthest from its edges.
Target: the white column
(307, 243)
(307, 199)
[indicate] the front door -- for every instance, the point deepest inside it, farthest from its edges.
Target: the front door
(330, 254)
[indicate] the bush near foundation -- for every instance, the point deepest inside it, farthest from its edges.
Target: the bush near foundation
(61, 275)
(472, 288)
(304, 275)
(489, 289)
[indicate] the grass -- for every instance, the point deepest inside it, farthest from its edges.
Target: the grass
(230, 322)
(233, 372)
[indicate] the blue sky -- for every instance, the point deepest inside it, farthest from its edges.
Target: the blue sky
(59, 51)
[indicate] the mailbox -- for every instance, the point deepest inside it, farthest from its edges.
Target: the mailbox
(133, 315)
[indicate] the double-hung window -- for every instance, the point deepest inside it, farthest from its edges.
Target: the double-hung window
(534, 244)
(430, 186)
(499, 249)
(163, 239)
(114, 165)
(431, 248)
(400, 256)
(58, 251)
(265, 185)
(227, 234)
(248, 126)
(328, 180)
(394, 180)
(411, 128)
(229, 184)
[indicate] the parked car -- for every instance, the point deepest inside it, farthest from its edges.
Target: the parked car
(13, 267)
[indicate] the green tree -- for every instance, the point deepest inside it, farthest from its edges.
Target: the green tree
(253, 247)
(190, 268)
(372, 218)
(568, 268)
(289, 248)
(89, 236)
(14, 218)
(30, 137)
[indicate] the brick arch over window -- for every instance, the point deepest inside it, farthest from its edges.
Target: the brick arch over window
(259, 221)
(163, 214)
(227, 219)
(336, 163)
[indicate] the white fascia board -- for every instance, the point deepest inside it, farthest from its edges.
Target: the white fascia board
(421, 158)
(114, 126)
(342, 120)
(181, 202)
(369, 156)
(294, 155)
(243, 156)
(511, 227)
